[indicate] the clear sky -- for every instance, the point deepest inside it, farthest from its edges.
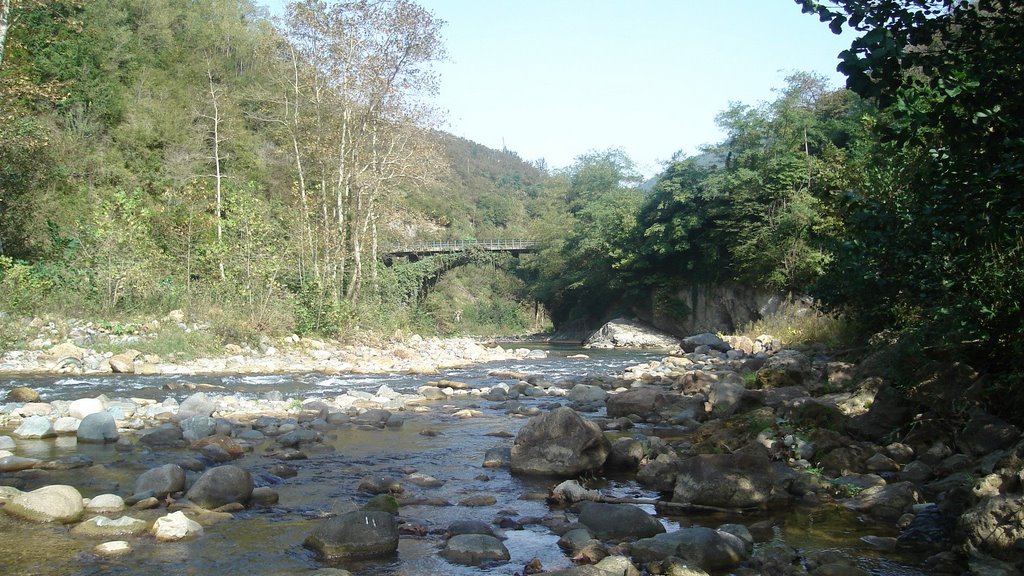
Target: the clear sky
(554, 79)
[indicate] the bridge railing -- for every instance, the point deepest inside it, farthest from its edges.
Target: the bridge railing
(461, 245)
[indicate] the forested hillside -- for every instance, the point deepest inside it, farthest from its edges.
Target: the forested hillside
(165, 154)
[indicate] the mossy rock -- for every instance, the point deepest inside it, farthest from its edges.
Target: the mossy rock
(382, 503)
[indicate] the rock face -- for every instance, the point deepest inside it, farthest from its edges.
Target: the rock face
(98, 428)
(221, 485)
(161, 481)
(355, 535)
(623, 333)
(724, 480)
(618, 521)
(57, 503)
(474, 549)
(559, 443)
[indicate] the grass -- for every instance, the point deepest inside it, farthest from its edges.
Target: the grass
(797, 325)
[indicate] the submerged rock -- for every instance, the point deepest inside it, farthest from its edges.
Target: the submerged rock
(355, 535)
(474, 550)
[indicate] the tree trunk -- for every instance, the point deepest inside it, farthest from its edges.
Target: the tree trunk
(215, 120)
(5, 21)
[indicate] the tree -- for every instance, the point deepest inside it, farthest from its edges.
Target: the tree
(935, 229)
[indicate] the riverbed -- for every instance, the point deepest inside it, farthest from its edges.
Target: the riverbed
(268, 540)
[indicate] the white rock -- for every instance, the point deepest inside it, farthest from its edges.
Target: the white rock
(66, 425)
(114, 548)
(6, 443)
(174, 527)
(35, 427)
(105, 503)
(84, 406)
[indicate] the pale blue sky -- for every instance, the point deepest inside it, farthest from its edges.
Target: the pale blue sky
(555, 79)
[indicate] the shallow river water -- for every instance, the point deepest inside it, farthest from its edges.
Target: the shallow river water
(268, 540)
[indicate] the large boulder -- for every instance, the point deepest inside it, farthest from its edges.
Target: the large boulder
(691, 343)
(221, 485)
(98, 428)
(623, 333)
(724, 480)
(785, 368)
(35, 427)
(474, 550)
(644, 402)
(985, 433)
(165, 435)
(56, 503)
(559, 443)
(355, 535)
(711, 550)
(995, 527)
(618, 521)
(161, 481)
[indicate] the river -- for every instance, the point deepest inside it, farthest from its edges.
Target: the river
(268, 540)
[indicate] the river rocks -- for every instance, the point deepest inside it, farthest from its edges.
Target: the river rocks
(85, 406)
(197, 427)
(995, 527)
(885, 502)
(724, 480)
(585, 394)
(160, 482)
(497, 457)
(559, 443)
(56, 503)
(98, 428)
(642, 402)
(623, 333)
(220, 486)
(112, 548)
(22, 394)
(474, 550)
(985, 433)
(17, 463)
(166, 435)
(625, 455)
(712, 341)
(198, 404)
(35, 427)
(785, 368)
(380, 485)
(708, 549)
(103, 527)
(355, 535)
(105, 504)
(618, 521)
(175, 527)
(123, 363)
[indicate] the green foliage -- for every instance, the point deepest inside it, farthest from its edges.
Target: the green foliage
(933, 240)
(21, 288)
(319, 311)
